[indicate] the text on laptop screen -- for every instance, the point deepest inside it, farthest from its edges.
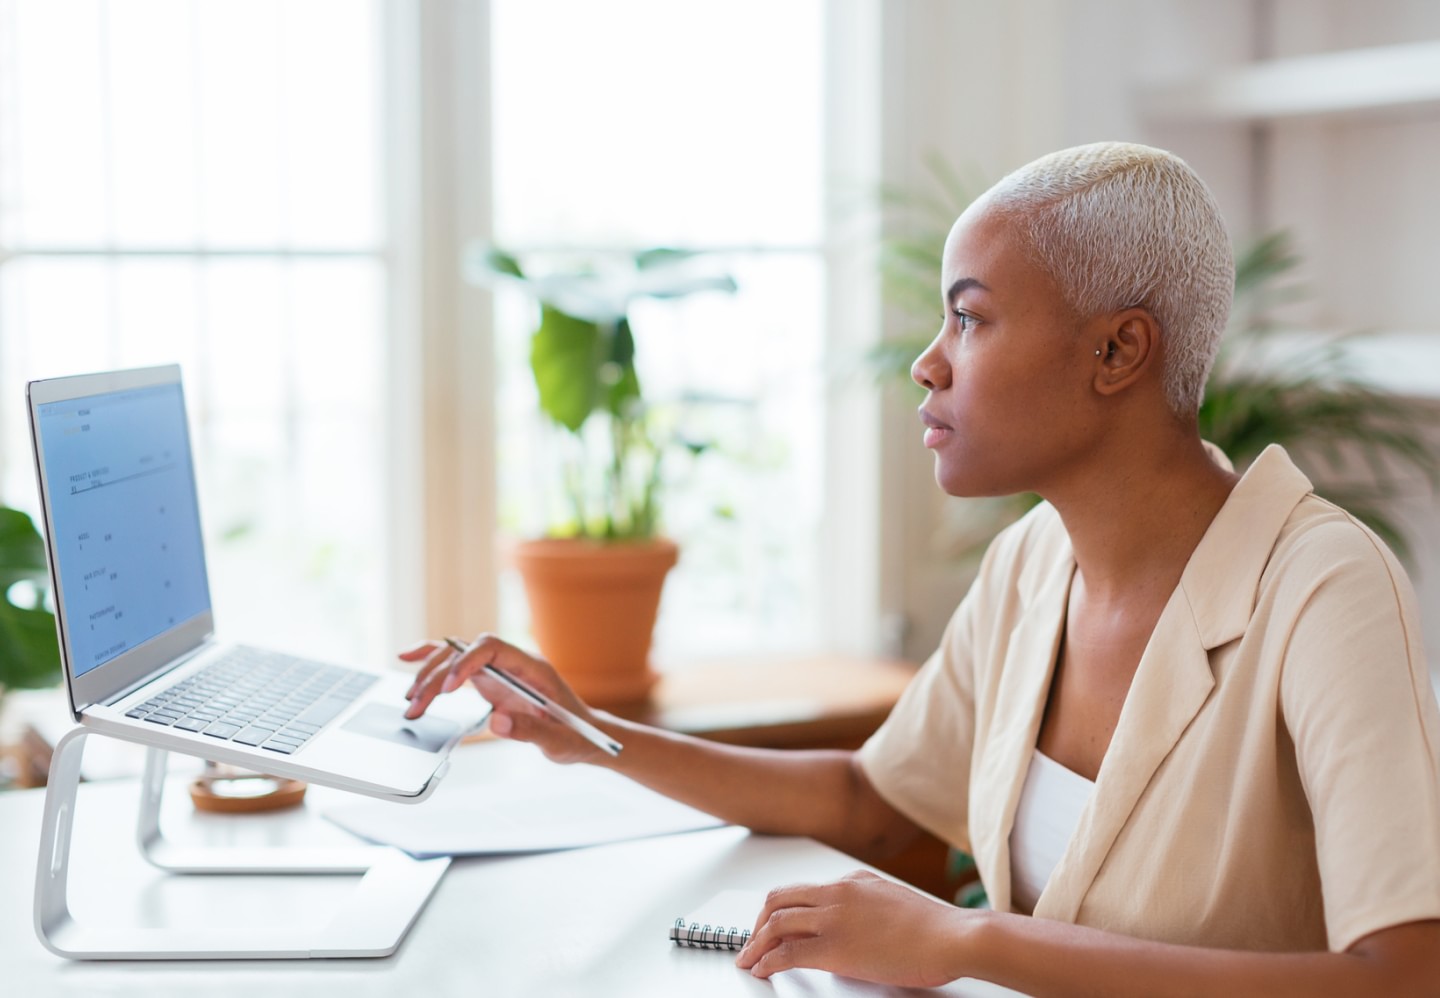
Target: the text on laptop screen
(124, 519)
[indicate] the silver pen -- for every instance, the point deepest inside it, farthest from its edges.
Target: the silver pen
(584, 728)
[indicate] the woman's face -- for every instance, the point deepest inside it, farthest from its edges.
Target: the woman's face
(1009, 406)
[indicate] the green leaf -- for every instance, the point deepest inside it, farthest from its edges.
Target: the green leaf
(503, 263)
(677, 286)
(972, 895)
(29, 653)
(565, 359)
(618, 379)
(661, 255)
(622, 396)
(22, 551)
(622, 344)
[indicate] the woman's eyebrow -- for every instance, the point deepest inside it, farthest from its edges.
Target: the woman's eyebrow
(962, 285)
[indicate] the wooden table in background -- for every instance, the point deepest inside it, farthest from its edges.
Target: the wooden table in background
(799, 703)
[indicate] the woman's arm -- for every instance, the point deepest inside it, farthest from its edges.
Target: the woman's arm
(868, 927)
(820, 794)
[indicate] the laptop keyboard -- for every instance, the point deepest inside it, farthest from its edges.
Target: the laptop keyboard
(254, 697)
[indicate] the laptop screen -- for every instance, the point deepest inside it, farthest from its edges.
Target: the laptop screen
(123, 518)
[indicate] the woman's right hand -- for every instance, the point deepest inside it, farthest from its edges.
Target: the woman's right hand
(444, 670)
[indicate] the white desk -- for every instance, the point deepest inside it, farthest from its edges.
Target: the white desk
(591, 922)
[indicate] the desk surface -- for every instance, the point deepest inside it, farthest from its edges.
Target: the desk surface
(505, 926)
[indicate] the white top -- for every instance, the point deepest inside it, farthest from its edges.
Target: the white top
(1045, 819)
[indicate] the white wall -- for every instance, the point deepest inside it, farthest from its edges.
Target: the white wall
(997, 83)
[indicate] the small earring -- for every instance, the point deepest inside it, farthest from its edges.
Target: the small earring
(1097, 353)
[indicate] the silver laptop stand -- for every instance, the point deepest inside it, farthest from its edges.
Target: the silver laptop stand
(370, 923)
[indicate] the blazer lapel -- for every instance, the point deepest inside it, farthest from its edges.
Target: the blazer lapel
(1171, 684)
(1210, 607)
(1020, 702)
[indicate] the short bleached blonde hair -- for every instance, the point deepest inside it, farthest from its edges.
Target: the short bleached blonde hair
(1118, 225)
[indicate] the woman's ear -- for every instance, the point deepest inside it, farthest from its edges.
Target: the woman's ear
(1126, 344)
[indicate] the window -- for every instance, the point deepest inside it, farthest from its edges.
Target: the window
(644, 123)
(202, 182)
(276, 194)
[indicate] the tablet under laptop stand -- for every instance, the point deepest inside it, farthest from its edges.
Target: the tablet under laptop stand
(371, 922)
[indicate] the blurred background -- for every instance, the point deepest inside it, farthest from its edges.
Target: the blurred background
(279, 195)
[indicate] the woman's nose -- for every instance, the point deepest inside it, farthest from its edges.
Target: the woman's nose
(930, 370)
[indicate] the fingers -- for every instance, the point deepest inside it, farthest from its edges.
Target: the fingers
(789, 936)
(791, 896)
(423, 650)
(802, 925)
(804, 951)
(446, 670)
(428, 680)
(789, 912)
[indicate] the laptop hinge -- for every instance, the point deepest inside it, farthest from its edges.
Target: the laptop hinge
(169, 667)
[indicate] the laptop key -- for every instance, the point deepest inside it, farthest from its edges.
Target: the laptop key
(136, 712)
(282, 747)
(162, 718)
(192, 724)
(252, 736)
(222, 730)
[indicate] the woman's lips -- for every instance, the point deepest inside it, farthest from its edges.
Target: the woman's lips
(935, 431)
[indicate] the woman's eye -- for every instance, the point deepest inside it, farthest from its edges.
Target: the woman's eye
(965, 321)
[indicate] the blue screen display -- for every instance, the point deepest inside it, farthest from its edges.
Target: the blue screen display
(124, 519)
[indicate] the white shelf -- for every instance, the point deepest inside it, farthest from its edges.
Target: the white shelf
(1403, 363)
(1358, 81)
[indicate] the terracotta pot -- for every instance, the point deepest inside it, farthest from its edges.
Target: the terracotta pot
(592, 611)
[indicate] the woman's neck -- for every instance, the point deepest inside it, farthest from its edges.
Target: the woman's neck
(1136, 518)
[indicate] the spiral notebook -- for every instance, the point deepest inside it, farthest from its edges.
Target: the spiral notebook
(723, 922)
(726, 921)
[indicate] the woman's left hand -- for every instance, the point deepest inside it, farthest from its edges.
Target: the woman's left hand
(861, 926)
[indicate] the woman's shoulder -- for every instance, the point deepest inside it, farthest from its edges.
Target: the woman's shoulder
(1027, 550)
(1321, 543)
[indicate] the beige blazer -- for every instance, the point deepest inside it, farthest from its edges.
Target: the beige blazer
(1274, 780)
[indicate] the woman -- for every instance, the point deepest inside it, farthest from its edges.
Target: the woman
(1182, 718)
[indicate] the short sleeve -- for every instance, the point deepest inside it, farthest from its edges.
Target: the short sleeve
(1357, 701)
(919, 760)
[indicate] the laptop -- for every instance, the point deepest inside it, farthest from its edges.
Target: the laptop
(132, 607)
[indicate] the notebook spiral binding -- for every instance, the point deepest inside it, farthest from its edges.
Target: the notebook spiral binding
(708, 936)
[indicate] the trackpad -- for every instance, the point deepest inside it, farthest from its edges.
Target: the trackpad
(429, 734)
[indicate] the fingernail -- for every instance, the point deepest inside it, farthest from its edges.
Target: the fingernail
(501, 724)
(452, 683)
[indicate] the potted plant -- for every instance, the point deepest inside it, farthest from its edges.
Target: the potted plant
(593, 583)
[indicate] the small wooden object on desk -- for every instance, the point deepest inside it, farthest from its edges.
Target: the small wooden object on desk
(231, 790)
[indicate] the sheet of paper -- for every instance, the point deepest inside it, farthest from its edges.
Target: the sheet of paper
(533, 809)
(819, 984)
